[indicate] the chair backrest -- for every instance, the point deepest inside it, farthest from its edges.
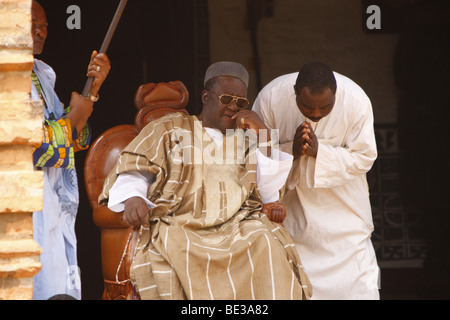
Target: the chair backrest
(152, 100)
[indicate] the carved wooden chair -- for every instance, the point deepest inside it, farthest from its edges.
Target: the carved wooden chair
(152, 100)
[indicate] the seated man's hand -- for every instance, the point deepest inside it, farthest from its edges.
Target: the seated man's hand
(135, 212)
(247, 119)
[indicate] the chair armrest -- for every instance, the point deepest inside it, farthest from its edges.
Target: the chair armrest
(105, 218)
(275, 211)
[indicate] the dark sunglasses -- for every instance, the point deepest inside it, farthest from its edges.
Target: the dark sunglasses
(227, 99)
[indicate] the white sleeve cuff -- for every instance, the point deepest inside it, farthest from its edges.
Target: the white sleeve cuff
(128, 185)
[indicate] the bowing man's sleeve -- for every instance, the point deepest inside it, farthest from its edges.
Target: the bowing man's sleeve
(337, 165)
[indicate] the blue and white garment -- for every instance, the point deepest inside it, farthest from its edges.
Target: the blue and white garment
(54, 227)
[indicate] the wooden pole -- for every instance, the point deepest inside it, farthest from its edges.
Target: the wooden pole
(106, 42)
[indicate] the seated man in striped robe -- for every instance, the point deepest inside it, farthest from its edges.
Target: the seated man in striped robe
(195, 186)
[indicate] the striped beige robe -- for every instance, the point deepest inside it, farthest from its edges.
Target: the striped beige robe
(206, 237)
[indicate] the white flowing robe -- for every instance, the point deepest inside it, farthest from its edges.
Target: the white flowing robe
(329, 212)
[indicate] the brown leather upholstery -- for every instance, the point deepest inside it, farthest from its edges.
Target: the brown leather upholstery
(118, 241)
(155, 100)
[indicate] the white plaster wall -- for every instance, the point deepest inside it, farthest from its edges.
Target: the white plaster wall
(304, 30)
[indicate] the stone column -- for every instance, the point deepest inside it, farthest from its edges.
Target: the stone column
(21, 186)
